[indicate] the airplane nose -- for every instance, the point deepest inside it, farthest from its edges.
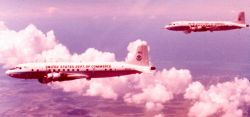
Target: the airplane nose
(167, 27)
(8, 72)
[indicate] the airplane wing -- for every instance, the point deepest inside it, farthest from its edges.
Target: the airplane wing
(62, 77)
(199, 28)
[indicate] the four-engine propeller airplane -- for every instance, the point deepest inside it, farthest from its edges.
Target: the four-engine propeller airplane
(201, 26)
(62, 71)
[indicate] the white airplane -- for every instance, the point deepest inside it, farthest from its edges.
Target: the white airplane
(59, 71)
(201, 26)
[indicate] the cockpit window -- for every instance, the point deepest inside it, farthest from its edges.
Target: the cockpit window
(12, 68)
(172, 24)
(15, 68)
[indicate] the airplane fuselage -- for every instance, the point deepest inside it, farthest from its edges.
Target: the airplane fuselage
(47, 72)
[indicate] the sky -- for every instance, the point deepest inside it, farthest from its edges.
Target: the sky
(202, 64)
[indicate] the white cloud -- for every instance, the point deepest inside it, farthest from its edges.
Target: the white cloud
(159, 115)
(225, 99)
(22, 46)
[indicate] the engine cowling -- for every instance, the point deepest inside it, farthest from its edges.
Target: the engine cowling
(199, 27)
(193, 28)
(53, 75)
(50, 77)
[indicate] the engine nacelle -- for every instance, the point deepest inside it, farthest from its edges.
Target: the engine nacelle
(53, 75)
(50, 77)
(199, 27)
(193, 28)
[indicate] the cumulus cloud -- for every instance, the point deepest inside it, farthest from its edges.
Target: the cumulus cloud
(21, 46)
(97, 89)
(61, 53)
(2, 26)
(159, 115)
(153, 90)
(223, 99)
(194, 90)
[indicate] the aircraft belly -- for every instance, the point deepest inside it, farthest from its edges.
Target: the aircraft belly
(221, 28)
(200, 30)
(100, 74)
(65, 78)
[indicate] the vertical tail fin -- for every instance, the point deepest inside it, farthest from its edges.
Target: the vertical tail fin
(241, 18)
(141, 56)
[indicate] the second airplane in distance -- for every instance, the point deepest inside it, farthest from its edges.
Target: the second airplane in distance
(201, 26)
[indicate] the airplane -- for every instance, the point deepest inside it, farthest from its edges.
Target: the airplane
(201, 26)
(62, 71)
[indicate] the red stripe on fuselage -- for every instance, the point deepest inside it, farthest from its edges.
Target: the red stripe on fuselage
(91, 74)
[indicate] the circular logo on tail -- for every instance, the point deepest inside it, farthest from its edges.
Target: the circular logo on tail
(138, 58)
